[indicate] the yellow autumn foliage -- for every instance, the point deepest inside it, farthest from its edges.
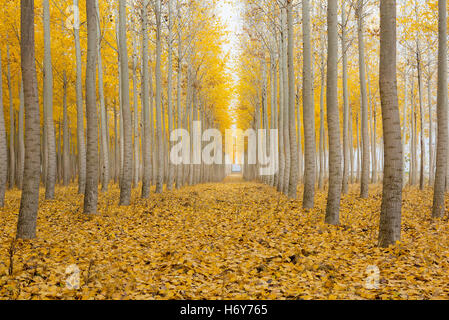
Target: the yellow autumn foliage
(233, 240)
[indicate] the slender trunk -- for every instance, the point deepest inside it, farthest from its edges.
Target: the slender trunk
(421, 122)
(3, 144)
(372, 128)
(147, 133)
(12, 161)
(26, 224)
(404, 122)
(91, 193)
(364, 104)
(286, 126)
(179, 168)
(126, 178)
(413, 147)
(351, 144)
(103, 120)
(322, 153)
(196, 140)
(159, 141)
(390, 216)
(374, 179)
(136, 168)
(116, 145)
(171, 169)
(50, 178)
(345, 102)
(66, 145)
(152, 130)
(308, 112)
(321, 142)
(333, 122)
(79, 106)
(21, 144)
(58, 153)
(120, 113)
(359, 161)
(281, 121)
(431, 149)
(438, 209)
(274, 110)
(265, 136)
(299, 133)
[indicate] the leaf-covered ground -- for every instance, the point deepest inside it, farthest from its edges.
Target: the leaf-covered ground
(222, 241)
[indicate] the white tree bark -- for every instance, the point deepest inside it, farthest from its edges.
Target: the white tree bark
(79, 106)
(159, 137)
(390, 217)
(26, 224)
(3, 145)
(126, 179)
(333, 121)
(147, 133)
(364, 103)
(103, 119)
(308, 112)
(438, 209)
(91, 192)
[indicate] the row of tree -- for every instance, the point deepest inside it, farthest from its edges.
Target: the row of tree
(183, 38)
(269, 31)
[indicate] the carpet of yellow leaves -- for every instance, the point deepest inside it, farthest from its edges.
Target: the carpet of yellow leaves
(222, 241)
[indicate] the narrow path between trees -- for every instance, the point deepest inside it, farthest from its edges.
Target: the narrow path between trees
(222, 241)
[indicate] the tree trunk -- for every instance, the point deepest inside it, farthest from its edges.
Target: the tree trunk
(147, 134)
(421, 122)
(3, 144)
(91, 193)
(308, 112)
(351, 144)
(333, 122)
(179, 168)
(21, 144)
(126, 179)
(116, 145)
(12, 161)
(372, 128)
(390, 216)
(438, 209)
(280, 186)
(359, 161)
(136, 164)
(265, 136)
(171, 169)
(50, 178)
(26, 224)
(66, 145)
(321, 142)
(404, 123)
(374, 149)
(364, 104)
(431, 149)
(345, 103)
(159, 141)
(79, 106)
(103, 118)
(286, 126)
(274, 113)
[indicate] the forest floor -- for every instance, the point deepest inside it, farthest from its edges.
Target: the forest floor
(233, 240)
